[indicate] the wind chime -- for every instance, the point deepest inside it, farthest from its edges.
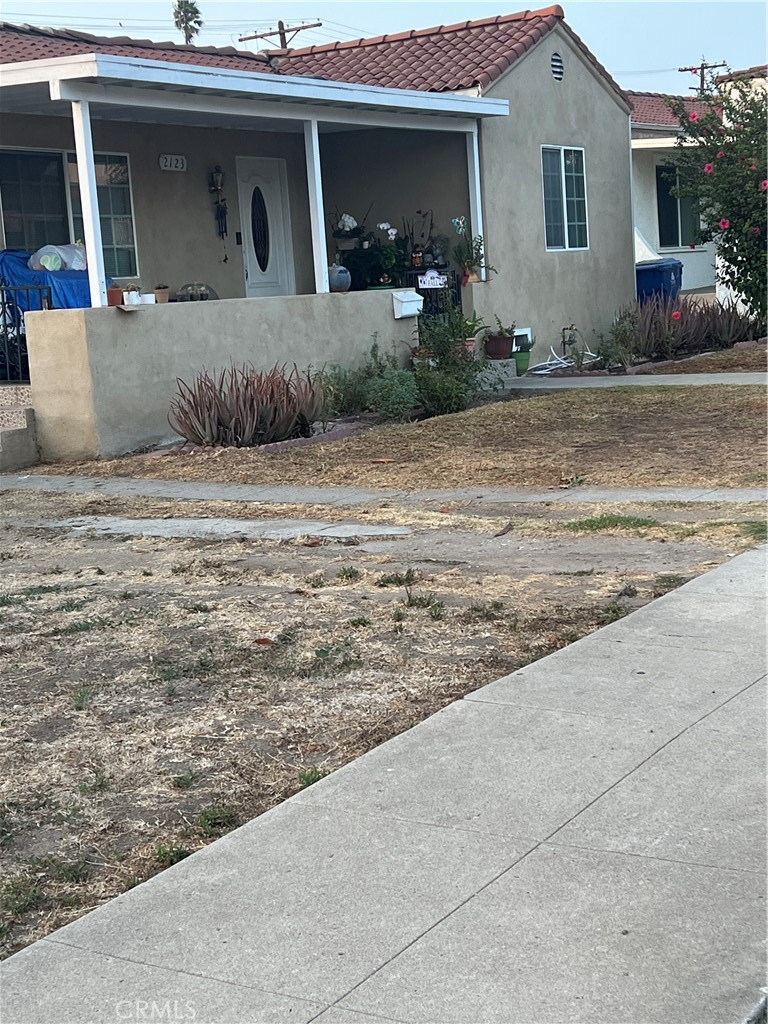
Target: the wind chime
(215, 187)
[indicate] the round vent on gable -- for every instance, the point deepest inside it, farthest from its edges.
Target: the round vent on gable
(558, 68)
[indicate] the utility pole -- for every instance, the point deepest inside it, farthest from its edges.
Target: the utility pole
(700, 70)
(282, 30)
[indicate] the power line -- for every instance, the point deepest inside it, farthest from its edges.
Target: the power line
(282, 31)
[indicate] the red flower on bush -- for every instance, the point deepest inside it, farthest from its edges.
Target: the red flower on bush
(708, 168)
(764, 184)
(724, 224)
(677, 315)
(694, 116)
(720, 153)
(755, 230)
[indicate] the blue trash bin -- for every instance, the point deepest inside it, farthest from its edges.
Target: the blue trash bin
(662, 278)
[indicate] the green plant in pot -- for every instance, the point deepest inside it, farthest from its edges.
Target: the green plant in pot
(521, 353)
(498, 342)
(469, 253)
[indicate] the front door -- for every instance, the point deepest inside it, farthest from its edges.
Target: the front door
(262, 185)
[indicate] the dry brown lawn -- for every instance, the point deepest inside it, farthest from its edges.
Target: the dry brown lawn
(618, 437)
(734, 360)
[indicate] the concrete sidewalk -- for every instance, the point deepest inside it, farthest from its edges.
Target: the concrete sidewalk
(276, 494)
(582, 841)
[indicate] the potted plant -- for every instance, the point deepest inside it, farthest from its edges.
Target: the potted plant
(162, 292)
(132, 295)
(498, 343)
(114, 295)
(347, 231)
(521, 353)
(469, 253)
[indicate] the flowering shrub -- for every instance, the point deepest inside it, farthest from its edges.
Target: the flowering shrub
(721, 159)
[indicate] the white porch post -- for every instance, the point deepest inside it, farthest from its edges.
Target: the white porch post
(86, 174)
(316, 207)
(475, 190)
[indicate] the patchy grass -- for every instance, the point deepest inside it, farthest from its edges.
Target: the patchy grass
(612, 521)
(708, 436)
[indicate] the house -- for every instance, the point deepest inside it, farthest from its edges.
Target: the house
(139, 148)
(665, 225)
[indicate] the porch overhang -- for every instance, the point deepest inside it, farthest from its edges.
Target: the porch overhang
(155, 89)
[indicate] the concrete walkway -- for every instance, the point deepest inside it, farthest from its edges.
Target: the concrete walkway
(669, 380)
(582, 841)
(182, 490)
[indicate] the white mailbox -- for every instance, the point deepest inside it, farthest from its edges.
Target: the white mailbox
(406, 302)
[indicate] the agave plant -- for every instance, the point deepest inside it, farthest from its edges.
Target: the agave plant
(242, 407)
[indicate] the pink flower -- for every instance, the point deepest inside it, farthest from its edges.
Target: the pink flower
(691, 245)
(694, 116)
(724, 224)
(755, 230)
(764, 185)
(708, 168)
(720, 153)
(677, 315)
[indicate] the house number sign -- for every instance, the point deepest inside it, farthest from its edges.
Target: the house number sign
(432, 280)
(172, 162)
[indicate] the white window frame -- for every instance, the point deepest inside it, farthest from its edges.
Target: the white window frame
(111, 152)
(64, 155)
(561, 148)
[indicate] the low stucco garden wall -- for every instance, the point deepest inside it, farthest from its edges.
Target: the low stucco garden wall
(102, 379)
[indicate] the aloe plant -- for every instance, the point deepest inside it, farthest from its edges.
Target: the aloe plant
(242, 407)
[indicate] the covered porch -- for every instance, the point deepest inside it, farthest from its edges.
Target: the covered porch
(175, 174)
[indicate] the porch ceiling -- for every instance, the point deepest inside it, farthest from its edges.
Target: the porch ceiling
(126, 89)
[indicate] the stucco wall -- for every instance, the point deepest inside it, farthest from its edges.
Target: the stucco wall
(540, 289)
(698, 263)
(102, 379)
(399, 172)
(176, 235)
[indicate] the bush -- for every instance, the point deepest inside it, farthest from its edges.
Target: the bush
(393, 394)
(441, 391)
(243, 407)
(348, 390)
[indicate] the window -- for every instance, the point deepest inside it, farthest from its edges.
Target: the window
(34, 202)
(116, 212)
(565, 198)
(678, 218)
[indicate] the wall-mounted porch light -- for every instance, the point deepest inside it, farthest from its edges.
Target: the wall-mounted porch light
(215, 187)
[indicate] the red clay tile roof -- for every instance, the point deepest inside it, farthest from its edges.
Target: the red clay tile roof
(440, 59)
(761, 71)
(27, 42)
(653, 107)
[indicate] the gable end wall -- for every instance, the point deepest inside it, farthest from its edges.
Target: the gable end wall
(549, 290)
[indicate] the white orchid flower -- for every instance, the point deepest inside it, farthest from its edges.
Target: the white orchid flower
(347, 223)
(392, 232)
(384, 226)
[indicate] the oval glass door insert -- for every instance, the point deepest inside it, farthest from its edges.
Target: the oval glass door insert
(260, 229)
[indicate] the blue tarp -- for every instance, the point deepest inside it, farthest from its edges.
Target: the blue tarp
(69, 288)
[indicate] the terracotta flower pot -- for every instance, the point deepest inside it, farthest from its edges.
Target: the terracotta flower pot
(114, 296)
(161, 294)
(498, 346)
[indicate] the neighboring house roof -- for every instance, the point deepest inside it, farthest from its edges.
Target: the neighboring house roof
(446, 58)
(653, 107)
(27, 42)
(761, 71)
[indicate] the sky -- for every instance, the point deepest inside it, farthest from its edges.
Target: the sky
(642, 43)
